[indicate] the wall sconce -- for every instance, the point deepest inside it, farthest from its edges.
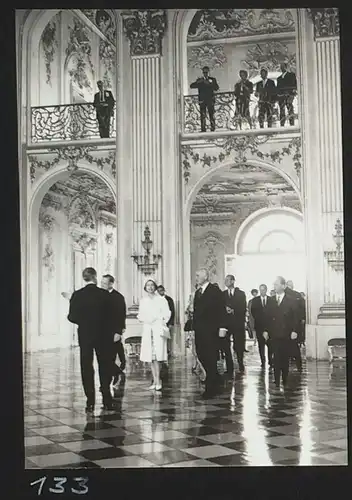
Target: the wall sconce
(336, 257)
(147, 263)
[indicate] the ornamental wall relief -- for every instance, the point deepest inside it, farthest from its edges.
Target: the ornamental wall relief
(268, 55)
(230, 23)
(239, 149)
(79, 52)
(72, 155)
(207, 55)
(47, 225)
(145, 30)
(326, 22)
(49, 44)
(104, 20)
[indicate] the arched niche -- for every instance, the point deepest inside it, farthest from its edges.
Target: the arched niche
(206, 178)
(76, 227)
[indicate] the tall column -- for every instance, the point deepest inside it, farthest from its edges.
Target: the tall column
(327, 46)
(145, 30)
(320, 92)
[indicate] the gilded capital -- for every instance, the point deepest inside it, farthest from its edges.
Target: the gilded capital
(326, 22)
(145, 30)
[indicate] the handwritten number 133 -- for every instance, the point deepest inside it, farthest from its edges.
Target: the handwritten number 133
(60, 481)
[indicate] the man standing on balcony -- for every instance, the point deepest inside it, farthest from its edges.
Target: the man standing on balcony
(265, 91)
(206, 86)
(243, 91)
(286, 92)
(104, 105)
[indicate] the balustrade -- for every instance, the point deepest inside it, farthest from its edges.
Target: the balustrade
(66, 122)
(225, 114)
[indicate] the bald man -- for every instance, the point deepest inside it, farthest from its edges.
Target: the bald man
(282, 326)
(209, 321)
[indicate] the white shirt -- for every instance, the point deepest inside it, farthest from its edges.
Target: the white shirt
(284, 74)
(263, 301)
(231, 292)
(279, 297)
(204, 287)
(90, 283)
(264, 82)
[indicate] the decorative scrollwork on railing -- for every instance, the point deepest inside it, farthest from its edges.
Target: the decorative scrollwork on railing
(226, 117)
(66, 122)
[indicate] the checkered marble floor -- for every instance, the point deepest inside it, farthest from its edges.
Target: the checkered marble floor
(249, 424)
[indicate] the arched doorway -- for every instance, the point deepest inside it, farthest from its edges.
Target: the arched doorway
(221, 207)
(270, 242)
(72, 225)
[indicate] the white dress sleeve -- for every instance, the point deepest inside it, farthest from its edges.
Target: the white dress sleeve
(141, 311)
(165, 310)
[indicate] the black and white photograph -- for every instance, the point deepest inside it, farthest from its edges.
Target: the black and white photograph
(182, 238)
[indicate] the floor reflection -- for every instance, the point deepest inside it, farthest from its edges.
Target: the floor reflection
(250, 423)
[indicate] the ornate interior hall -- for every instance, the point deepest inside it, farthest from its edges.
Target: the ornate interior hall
(124, 167)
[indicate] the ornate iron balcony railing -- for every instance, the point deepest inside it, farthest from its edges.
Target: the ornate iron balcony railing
(66, 122)
(225, 114)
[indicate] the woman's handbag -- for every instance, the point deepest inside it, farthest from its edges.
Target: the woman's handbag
(222, 333)
(188, 326)
(165, 332)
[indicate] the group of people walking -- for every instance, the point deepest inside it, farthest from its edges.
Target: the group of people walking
(267, 92)
(100, 313)
(215, 318)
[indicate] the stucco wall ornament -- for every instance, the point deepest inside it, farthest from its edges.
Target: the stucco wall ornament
(109, 237)
(230, 23)
(71, 154)
(81, 213)
(107, 55)
(79, 47)
(237, 148)
(84, 241)
(49, 46)
(47, 223)
(145, 30)
(326, 22)
(104, 20)
(207, 55)
(268, 55)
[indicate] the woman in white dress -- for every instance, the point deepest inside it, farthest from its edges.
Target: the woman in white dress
(154, 313)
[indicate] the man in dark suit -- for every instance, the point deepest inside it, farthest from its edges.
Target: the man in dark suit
(250, 319)
(243, 92)
(206, 86)
(301, 315)
(104, 105)
(90, 309)
(118, 326)
(171, 323)
(260, 307)
(236, 309)
(282, 329)
(265, 91)
(286, 90)
(209, 321)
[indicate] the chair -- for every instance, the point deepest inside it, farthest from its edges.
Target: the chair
(337, 349)
(133, 348)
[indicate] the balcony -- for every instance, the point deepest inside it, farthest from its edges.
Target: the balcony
(226, 118)
(67, 122)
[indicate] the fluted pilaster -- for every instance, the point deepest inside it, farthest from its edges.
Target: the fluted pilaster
(146, 159)
(330, 137)
(330, 155)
